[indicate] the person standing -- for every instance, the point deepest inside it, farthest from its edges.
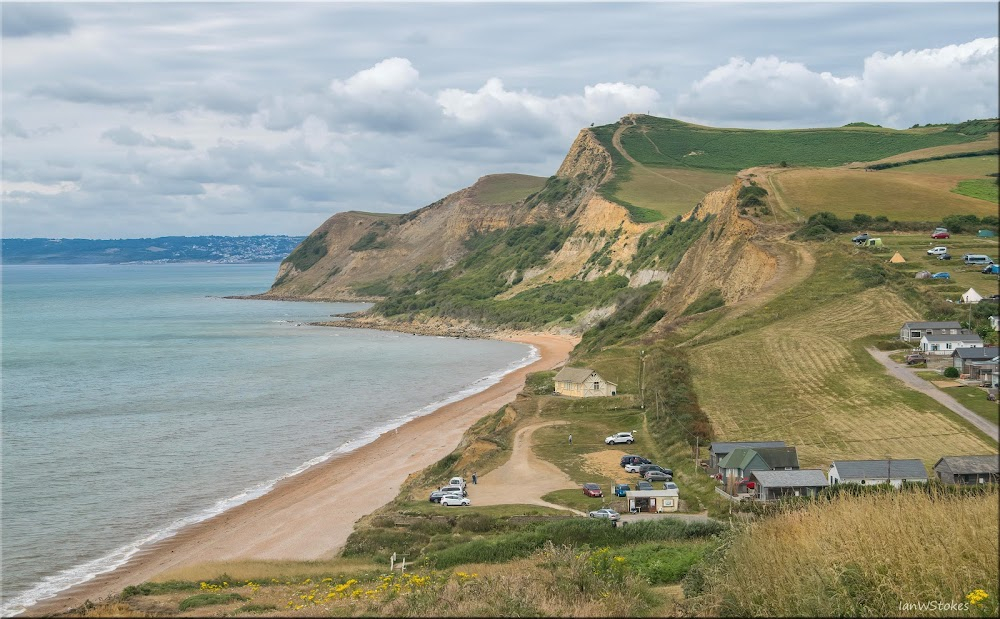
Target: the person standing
(474, 479)
(570, 439)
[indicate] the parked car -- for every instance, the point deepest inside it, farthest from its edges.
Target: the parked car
(915, 358)
(436, 496)
(944, 257)
(621, 437)
(657, 476)
(592, 490)
(456, 481)
(610, 514)
(991, 269)
(454, 490)
(937, 251)
(626, 460)
(452, 500)
(861, 238)
(650, 467)
(941, 235)
(669, 485)
(982, 259)
(621, 489)
(644, 485)
(634, 468)
(941, 275)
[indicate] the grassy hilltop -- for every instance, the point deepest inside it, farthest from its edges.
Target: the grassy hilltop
(746, 320)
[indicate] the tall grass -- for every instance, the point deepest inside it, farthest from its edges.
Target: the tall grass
(857, 556)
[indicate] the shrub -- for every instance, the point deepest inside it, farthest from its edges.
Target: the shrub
(308, 252)
(368, 241)
(951, 372)
(708, 301)
(209, 599)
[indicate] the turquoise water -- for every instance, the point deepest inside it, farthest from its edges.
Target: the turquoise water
(136, 400)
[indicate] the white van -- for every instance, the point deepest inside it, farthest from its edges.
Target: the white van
(977, 259)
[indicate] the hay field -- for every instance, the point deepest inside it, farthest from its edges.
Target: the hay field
(808, 381)
(506, 188)
(670, 191)
(897, 194)
(992, 140)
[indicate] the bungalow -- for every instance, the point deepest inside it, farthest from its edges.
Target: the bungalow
(583, 383)
(946, 344)
(773, 485)
(868, 472)
(736, 467)
(963, 357)
(913, 331)
(720, 450)
(656, 501)
(967, 470)
(986, 372)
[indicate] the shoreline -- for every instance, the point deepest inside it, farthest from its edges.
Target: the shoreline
(295, 519)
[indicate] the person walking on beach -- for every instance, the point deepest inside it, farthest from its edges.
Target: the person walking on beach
(474, 479)
(570, 439)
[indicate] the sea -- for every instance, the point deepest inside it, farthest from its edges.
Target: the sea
(136, 400)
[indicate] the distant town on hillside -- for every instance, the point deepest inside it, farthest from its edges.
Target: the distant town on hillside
(219, 249)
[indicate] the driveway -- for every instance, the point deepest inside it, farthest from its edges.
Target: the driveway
(916, 383)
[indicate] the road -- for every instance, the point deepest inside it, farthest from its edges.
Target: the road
(916, 383)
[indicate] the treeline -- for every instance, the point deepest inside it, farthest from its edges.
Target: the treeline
(896, 164)
(824, 225)
(671, 402)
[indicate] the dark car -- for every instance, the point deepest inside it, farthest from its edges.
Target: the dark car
(861, 238)
(634, 460)
(914, 359)
(645, 468)
(436, 496)
(627, 459)
(944, 257)
(592, 490)
(658, 476)
(621, 489)
(644, 485)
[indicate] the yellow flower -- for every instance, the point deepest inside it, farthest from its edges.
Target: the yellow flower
(977, 596)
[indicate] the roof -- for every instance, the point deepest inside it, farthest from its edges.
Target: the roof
(739, 458)
(791, 479)
(987, 352)
(779, 457)
(880, 469)
(574, 375)
(958, 337)
(723, 447)
(646, 494)
(964, 465)
(951, 324)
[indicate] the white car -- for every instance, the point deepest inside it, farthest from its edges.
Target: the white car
(460, 490)
(451, 500)
(621, 437)
(937, 251)
(633, 468)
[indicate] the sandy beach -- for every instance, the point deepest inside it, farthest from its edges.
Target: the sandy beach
(310, 516)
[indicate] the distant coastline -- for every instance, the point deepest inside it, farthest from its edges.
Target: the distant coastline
(158, 250)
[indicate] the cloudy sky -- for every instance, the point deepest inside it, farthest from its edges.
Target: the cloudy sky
(152, 119)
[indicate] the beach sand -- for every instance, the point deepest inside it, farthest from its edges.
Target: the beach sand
(310, 516)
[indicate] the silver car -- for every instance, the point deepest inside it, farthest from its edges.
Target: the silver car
(610, 514)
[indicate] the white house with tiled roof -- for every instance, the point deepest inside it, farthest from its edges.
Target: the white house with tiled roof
(948, 343)
(583, 383)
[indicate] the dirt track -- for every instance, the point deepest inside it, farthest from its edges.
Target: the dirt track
(525, 478)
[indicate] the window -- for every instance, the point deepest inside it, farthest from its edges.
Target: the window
(597, 385)
(948, 346)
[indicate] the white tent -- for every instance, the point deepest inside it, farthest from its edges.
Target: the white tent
(972, 296)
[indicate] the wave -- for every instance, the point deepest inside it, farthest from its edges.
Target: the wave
(50, 586)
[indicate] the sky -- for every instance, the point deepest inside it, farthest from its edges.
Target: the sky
(154, 119)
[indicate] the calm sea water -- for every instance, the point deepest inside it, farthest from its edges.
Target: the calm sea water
(136, 400)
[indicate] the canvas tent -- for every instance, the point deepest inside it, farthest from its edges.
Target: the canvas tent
(923, 275)
(897, 258)
(986, 233)
(971, 296)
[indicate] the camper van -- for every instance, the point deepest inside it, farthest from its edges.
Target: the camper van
(977, 259)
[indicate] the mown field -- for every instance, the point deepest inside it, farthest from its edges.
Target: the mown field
(991, 140)
(665, 142)
(913, 247)
(796, 370)
(670, 191)
(506, 188)
(897, 193)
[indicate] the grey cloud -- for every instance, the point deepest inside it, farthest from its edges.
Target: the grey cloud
(35, 19)
(13, 128)
(126, 136)
(90, 92)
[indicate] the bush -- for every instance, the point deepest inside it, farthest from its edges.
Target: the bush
(708, 301)
(951, 372)
(308, 252)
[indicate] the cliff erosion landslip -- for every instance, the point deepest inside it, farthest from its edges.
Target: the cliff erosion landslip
(355, 256)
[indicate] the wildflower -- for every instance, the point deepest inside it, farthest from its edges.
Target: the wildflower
(977, 596)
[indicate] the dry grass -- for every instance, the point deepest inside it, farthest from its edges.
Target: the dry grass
(807, 380)
(670, 191)
(899, 195)
(860, 556)
(506, 188)
(253, 569)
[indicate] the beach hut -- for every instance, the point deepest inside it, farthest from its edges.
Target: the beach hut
(986, 233)
(971, 296)
(897, 258)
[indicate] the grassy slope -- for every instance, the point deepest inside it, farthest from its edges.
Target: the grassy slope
(507, 188)
(813, 385)
(670, 191)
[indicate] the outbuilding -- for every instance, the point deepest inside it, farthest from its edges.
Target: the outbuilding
(656, 501)
(968, 470)
(963, 358)
(583, 383)
(868, 472)
(774, 485)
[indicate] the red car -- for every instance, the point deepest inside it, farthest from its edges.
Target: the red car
(940, 235)
(592, 490)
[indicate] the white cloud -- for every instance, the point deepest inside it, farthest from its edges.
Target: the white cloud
(392, 75)
(952, 83)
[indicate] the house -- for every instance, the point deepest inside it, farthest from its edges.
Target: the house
(948, 343)
(773, 485)
(913, 331)
(971, 296)
(968, 470)
(720, 450)
(583, 383)
(656, 501)
(867, 472)
(964, 357)
(736, 467)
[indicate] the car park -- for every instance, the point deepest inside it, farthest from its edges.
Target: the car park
(454, 490)
(941, 275)
(644, 485)
(657, 476)
(937, 251)
(610, 514)
(941, 235)
(592, 490)
(453, 500)
(621, 437)
(621, 489)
